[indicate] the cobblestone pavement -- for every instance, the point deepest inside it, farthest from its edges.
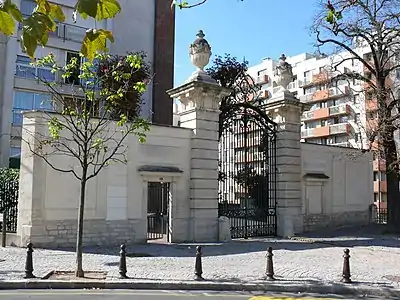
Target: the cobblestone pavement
(373, 261)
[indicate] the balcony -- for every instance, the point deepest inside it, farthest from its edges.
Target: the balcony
(320, 77)
(307, 133)
(339, 128)
(371, 105)
(262, 79)
(332, 93)
(380, 186)
(379, 165)
(325, 130)
(307, 115)
(294, 85)
(342, 144)
(323, 113)
(342, 109)
(67, 32)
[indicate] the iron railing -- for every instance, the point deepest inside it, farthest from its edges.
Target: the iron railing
(9, 203)
(380, 215)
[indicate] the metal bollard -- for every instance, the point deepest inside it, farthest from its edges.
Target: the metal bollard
(346, 267)
(198, 268)
(122, 262)
(270, 265)
(29, 262)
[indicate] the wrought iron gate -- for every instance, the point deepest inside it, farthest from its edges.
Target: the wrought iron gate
(247, 162)
(157, 210)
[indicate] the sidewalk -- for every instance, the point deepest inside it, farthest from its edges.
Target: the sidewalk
(305, 264)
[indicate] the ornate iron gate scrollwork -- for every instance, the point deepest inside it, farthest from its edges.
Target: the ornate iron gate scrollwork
(247, 163)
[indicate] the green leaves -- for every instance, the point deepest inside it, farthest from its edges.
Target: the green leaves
(98, 9)
(95, 40)
(8, 13)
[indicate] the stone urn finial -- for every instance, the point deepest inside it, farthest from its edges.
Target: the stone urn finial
(283, 74)
(200, 51)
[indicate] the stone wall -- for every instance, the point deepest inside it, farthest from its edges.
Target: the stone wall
(62, 233)
(336, 220)
(116, 200)
(337, 186)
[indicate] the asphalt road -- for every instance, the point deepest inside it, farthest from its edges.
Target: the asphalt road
(154, 295)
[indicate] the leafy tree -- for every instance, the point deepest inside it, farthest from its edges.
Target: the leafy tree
(130, 104)
(82, 130)
(231, 73)
(37, 27)
(374, 25)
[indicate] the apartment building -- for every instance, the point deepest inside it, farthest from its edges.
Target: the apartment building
(341, 111)
(143, 25)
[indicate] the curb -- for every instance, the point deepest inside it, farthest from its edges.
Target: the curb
(354, 289)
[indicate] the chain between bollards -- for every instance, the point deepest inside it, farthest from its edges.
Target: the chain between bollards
(29, 262)
(270, 265)
(198, 268)
(122, 262)
(346, 267)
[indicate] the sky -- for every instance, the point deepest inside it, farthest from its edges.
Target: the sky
(253, 29)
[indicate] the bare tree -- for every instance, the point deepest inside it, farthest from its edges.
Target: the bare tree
(369, 31)
(78, 129)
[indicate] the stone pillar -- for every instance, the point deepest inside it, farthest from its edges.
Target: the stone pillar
(200, 97)
(285, 110)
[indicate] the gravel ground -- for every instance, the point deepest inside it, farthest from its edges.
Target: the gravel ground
(239, 261)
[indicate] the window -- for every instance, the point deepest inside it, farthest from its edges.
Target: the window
(376, 197)
(352, 62)
(356, 99)
(357, 118)
(74, 78)
(27, 6)
(15, 151)
(398, 74)
(29, 101)
(376, 176)
(262, 72)
(24, 69)
(310, 90)
(357, 137)
(311, 125)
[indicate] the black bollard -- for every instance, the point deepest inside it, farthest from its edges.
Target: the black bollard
(198, 268)
(270, 265)
(29, 262)
(346, 267)
(122, 262)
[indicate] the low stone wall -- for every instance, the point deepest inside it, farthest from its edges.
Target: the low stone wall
(321, 221)
(62, 234)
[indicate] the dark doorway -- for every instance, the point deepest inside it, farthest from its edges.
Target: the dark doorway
(157, 211)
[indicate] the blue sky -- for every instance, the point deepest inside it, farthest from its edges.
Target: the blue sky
(251, 28)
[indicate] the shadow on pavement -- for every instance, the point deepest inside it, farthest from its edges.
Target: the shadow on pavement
(349, 237)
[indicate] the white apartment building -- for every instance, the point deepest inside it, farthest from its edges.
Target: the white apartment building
(143, 25)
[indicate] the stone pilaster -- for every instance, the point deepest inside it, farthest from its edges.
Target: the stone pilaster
(285, 110)
(200, 101)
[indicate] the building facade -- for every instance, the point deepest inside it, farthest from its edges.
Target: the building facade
(342, 112)
(142, 25)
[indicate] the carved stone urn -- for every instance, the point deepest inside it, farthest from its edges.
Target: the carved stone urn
(200, 52)
(283, 74)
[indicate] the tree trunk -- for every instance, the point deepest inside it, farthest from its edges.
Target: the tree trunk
(393, 193)
(79, 236)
